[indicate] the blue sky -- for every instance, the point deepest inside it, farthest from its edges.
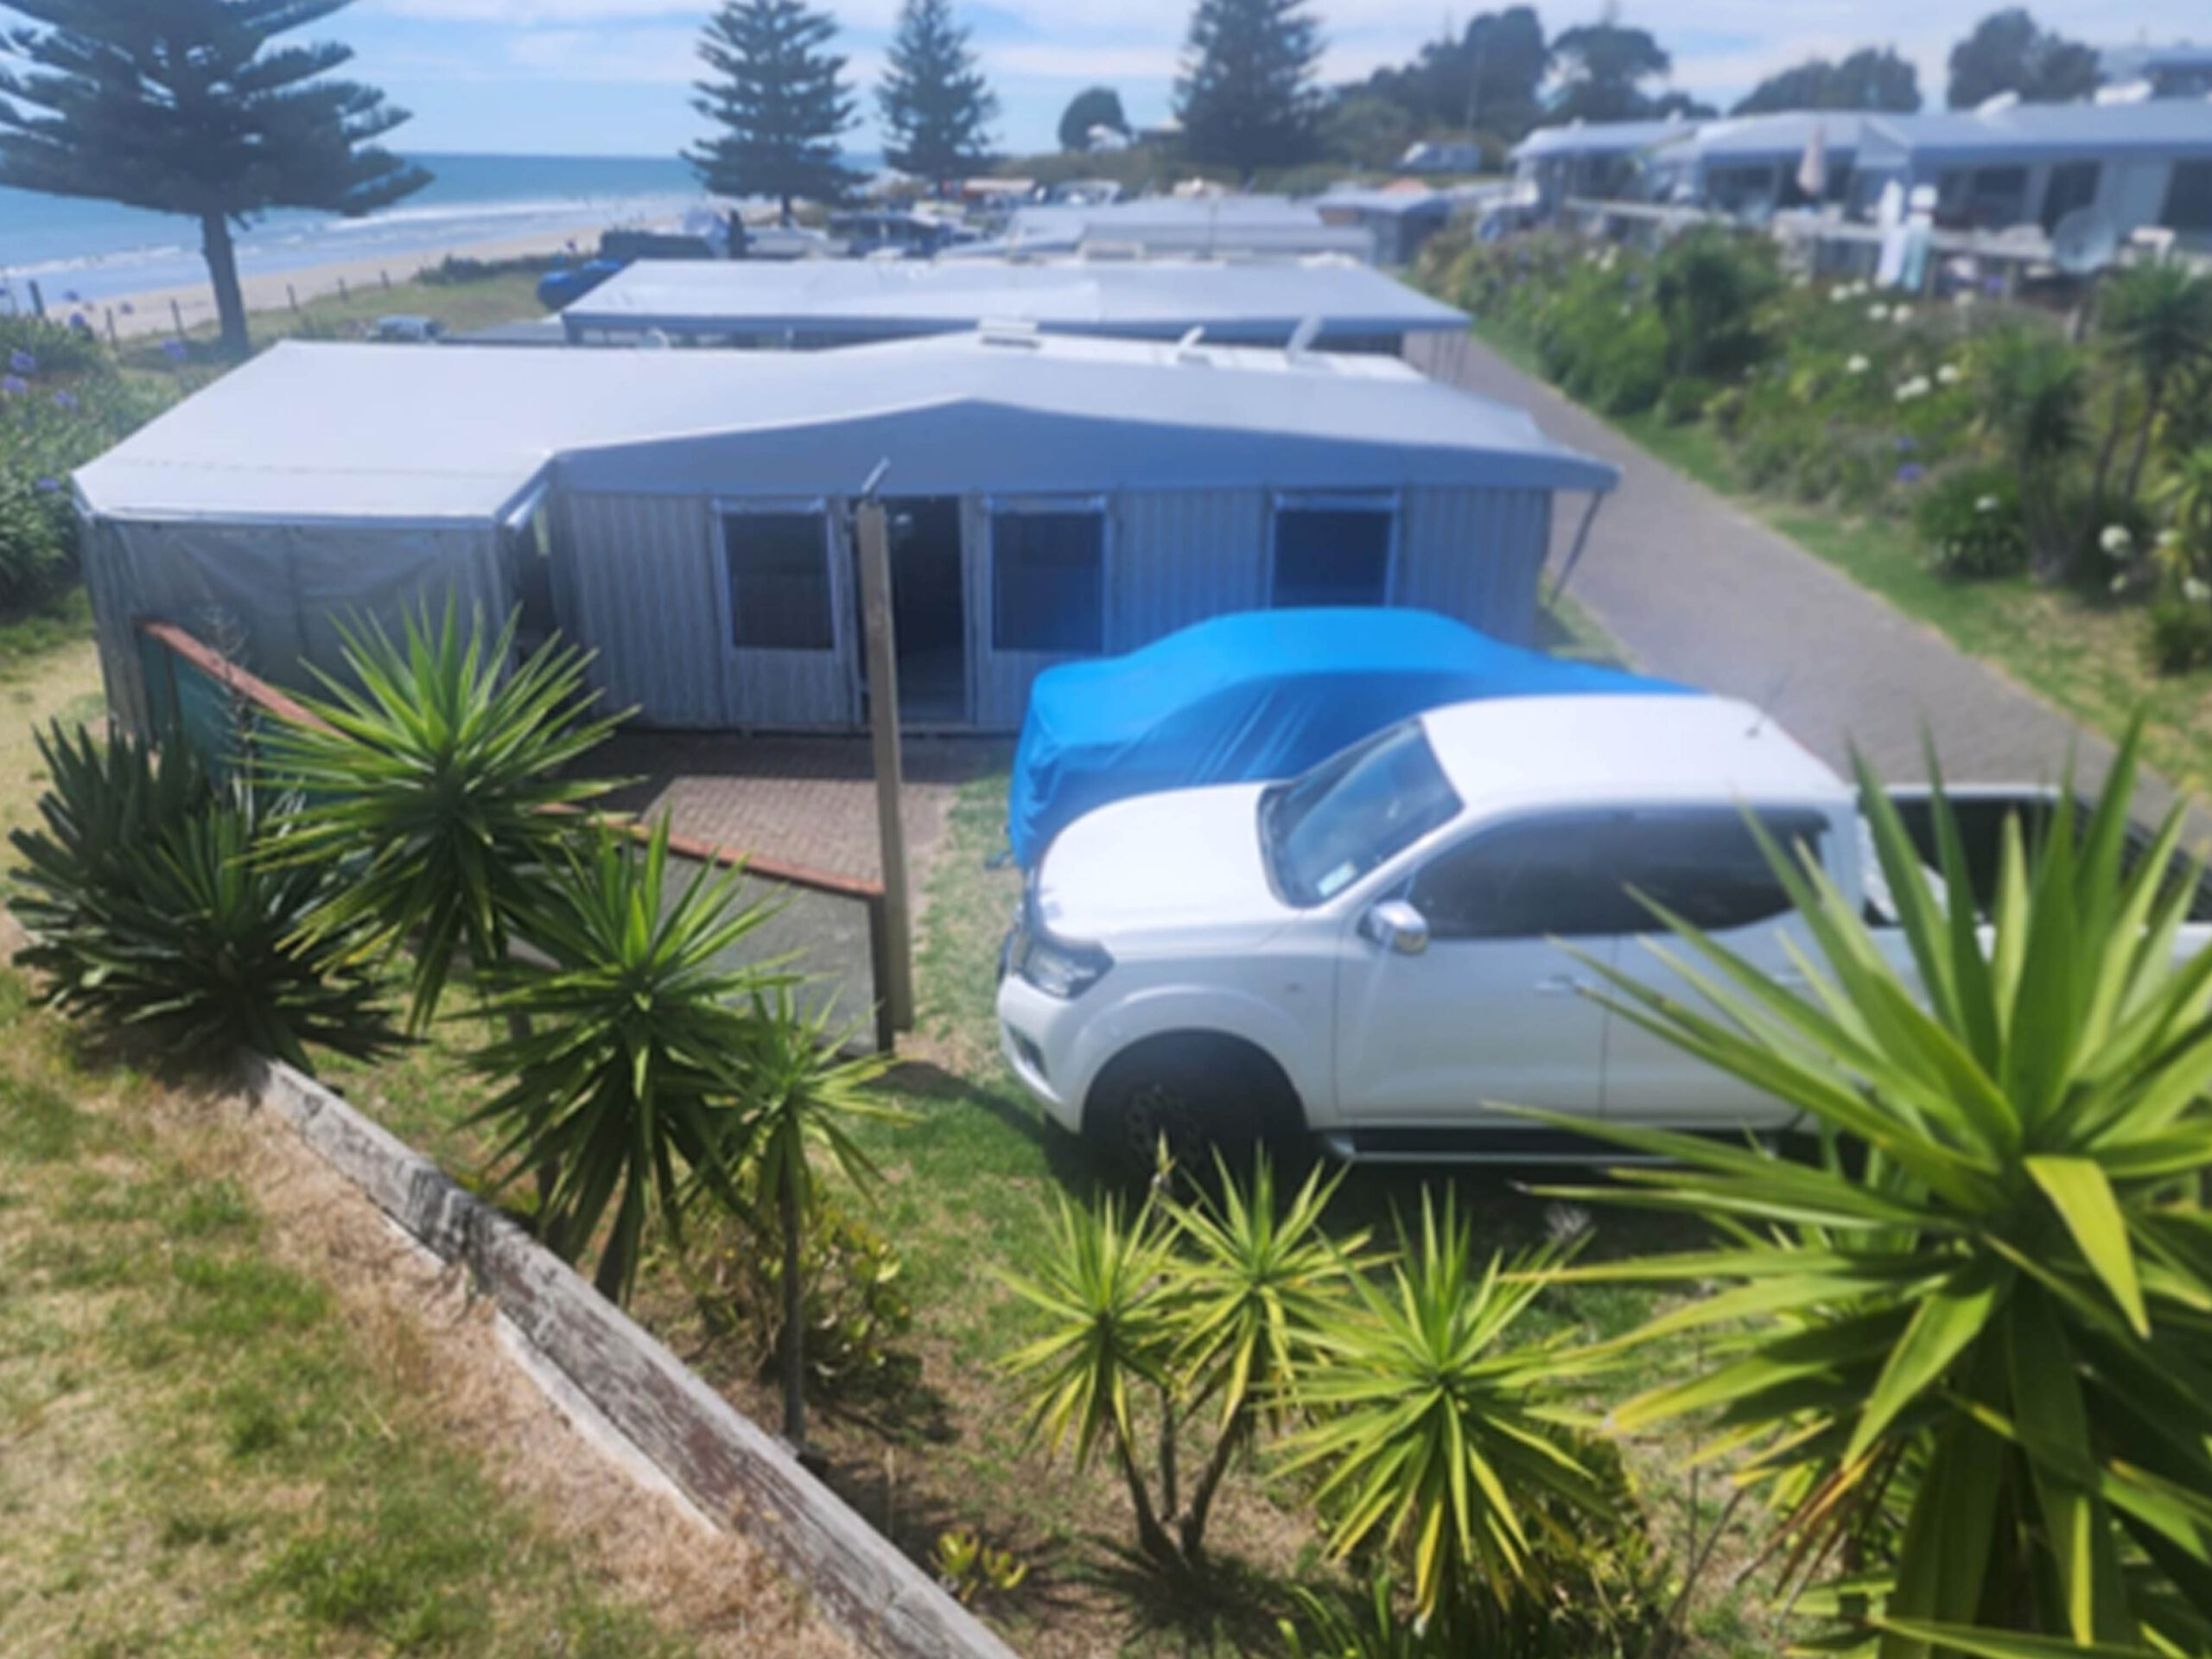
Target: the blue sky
(610, 77)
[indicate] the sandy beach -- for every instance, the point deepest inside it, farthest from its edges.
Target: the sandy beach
(163, 310)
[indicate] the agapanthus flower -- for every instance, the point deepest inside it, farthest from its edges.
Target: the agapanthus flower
(23, 362)
(47, 486)
(1911, 473)
(14, 385)
(64, 400)
(172, 350)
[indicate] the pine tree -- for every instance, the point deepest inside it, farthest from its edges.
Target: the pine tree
(1247, 97)
(782, 100)
(176, 106)
(936, 104)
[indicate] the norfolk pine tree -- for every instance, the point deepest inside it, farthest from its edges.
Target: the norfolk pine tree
(183, 106)
(781, 100)
(1246, 96)
(936, 103)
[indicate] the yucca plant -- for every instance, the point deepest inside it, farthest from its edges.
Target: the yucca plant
(2156, 321)
(630, 1036)
(439, 777)
(1440, 1437)
(1995, 1321)
(798, 1096)
(1251, 1286)
(1207, 1307)
(149, 911)
(1099, 1284)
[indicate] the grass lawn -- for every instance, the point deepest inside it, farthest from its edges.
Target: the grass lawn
(2084, 656)
(208, 1451)
(472, 303)
(211, 1444)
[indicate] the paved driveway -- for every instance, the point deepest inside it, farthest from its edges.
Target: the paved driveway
(1695, 590)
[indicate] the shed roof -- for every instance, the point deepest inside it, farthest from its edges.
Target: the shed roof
(363, 432)
(1259, 303)
(1273, 225)
(2029, 132)
(1598, 137)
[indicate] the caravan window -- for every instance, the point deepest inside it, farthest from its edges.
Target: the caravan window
(2188, 197)
(1333, 550)
(778, 581)
(1048, 579)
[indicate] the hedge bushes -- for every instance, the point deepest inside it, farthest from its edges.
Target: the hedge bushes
(1918, 411)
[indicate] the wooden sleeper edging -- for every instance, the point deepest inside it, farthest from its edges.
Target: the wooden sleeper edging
(732, 1468)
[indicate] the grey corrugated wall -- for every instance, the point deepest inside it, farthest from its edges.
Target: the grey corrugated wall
(1476, 556)
(1184, 556)
(633, 580)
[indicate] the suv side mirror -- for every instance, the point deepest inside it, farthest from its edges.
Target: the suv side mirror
(1396, 925)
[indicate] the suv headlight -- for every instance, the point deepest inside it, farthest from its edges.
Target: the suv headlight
(1057, 967)
(1063, 970)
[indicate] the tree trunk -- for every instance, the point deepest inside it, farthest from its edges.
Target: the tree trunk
(2152, 397)
(794, 1319)
(1193, 1527)
(223, 274)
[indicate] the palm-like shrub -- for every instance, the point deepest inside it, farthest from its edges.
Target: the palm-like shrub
(2031, 386)
(150, 911)
(629, 1034)
(1199, 1309)
(1108, 1335)
(2157, 323)
(1436, 1434)
(438, 777)
(1993, 1325)
(799, 1098)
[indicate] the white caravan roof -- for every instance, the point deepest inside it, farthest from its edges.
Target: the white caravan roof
(370, 432)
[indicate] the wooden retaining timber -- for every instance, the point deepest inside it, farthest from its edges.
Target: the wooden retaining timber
(728, 1466)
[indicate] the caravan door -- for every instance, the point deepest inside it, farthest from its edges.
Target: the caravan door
(783, 577)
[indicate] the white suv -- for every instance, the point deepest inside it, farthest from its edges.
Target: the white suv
(1381, 951)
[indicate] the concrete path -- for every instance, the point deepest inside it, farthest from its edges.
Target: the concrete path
(1695, 590)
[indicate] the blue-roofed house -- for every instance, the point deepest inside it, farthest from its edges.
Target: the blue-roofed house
(2146, 164)
(1747, 167)
(1600, 159)
(2183, 70)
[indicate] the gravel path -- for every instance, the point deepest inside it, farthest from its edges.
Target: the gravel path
(1693, 589)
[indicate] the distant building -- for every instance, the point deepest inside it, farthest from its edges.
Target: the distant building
(1600, 159)
(834, 302)
(2137, 165)
(1398, 219)
(1199, 226)
(1751, 165)
(2180, 70)
(1442, 157)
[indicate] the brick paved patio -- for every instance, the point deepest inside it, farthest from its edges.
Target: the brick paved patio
(810, 801)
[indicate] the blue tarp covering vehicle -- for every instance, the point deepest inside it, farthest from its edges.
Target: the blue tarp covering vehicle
(1255, 695)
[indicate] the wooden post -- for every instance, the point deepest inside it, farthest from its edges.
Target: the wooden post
(897, 986)
(384, 277)
(38, 299)
(344, 293)
(292, 295)
(111, 338)
(177, 317)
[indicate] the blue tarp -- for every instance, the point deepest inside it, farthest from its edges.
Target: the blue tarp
(1256, 695)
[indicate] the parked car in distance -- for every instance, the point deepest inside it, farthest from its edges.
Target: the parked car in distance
(1391, 948)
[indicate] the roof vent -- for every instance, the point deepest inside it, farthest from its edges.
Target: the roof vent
(1018, 332)
(1302, 338)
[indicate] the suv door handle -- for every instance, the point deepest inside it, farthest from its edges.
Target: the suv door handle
(1560, 985)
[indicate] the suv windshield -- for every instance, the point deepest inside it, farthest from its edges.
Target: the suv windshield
(1353, 812)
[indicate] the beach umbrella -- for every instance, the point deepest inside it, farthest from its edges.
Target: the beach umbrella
(1812, 169)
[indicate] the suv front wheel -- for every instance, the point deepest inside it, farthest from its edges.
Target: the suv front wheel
(1198, 1092)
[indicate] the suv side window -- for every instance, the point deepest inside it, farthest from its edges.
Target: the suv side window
(1533, 879)
(1705, 865)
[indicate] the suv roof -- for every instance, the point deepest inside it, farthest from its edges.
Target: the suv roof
(1630, 748)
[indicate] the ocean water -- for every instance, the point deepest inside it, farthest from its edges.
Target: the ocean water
(90, 251)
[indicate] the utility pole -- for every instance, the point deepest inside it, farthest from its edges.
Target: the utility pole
(872, 525)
